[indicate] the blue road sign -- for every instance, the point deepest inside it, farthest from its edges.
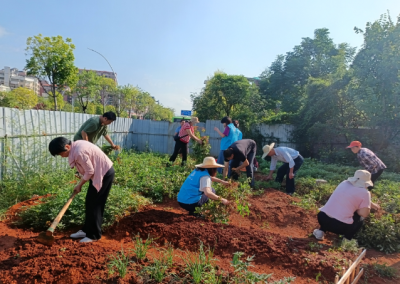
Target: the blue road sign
(186, 112)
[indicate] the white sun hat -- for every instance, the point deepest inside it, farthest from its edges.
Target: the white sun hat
(208, 163)
(266, 149)
(361, 179)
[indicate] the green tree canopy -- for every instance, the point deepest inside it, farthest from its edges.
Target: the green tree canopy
(87, 88)
(52, 59)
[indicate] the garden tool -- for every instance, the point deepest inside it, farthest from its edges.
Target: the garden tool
(47, 237)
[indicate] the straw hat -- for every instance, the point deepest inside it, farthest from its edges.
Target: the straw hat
(361, 179)
(194, 120)
(208, 163)
(266, 149)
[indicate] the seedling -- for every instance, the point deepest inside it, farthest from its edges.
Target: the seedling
(120, 262)
(141, 247)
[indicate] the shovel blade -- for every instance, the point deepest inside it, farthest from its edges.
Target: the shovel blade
(46, 238)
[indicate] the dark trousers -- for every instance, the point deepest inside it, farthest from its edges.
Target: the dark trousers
(180, 147)
(284, 170)
(374, 177)
(329, 224)
(95, 203)
(249, 169)
(192, 207)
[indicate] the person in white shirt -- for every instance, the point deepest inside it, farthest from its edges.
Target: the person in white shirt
(292, 162)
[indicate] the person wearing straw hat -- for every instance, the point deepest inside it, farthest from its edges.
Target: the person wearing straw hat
(242, 151)
(344, 212)
(292, 161)
(368, 160)
(182, 142)
(197, 188)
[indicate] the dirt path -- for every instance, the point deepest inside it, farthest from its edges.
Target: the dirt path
(276, 232)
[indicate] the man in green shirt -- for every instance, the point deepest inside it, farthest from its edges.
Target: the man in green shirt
(95, 127)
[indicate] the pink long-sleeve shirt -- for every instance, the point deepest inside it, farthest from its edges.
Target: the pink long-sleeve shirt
(90, 162)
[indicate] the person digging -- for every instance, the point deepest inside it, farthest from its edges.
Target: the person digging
(95, 127)
(197, 188)
(368, 160)
(95, 168)
(242, 151)
(292, 161)
(344, 212)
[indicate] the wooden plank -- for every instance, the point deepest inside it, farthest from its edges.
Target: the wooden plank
(353, 266)
(355, 281)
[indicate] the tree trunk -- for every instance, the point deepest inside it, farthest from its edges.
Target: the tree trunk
(54, 97)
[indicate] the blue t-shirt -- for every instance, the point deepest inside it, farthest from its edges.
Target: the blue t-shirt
(178, 129)
(190, 191)
(230, 139)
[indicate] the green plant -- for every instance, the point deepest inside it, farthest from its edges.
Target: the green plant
(285, 280)
(141, 247)
(242, 275)
(349, 245)
(200, 151)
(157, 270)
(383, 270)
(120, 262)
(197, 264)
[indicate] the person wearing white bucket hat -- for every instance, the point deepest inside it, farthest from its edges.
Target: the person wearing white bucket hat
(292, 161)
(197, 188)
(350, 201)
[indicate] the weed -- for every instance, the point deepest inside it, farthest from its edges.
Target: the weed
(350, 246)
(141, 247)
(242, 274)
(285, 280)
(315, 246)
(383, 270)
(157, 270)
(120, 262)
(198, 264)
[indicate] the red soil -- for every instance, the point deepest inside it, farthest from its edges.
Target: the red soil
(276, 232)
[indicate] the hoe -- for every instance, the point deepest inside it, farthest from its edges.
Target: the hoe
(47, 237)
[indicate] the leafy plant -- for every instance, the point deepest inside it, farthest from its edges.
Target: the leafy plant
(200, 151)
(120, 262)
(197, 264)
(349, 245)
(242, 274)
(383, 270)
(141, 247)
(157, 270)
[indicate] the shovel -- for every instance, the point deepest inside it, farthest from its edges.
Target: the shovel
(47, 237)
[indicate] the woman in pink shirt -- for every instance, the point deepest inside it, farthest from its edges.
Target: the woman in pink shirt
(96, 168)
(348, 205)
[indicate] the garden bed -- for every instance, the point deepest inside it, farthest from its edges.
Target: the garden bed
(276, 232)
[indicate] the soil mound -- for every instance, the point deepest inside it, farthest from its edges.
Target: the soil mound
(12, 212)
(186, 232)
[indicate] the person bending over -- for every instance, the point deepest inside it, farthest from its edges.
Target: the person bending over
(97, 169)
(241, 151)
(368, 160)
(344, 212)
(292, 161)
(95, 127)
(197, 188)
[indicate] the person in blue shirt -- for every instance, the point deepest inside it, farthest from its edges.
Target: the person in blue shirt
(240, 135)
(292, 161)
(197, 188)
(229, 136)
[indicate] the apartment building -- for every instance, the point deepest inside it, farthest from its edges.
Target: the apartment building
(13, 78)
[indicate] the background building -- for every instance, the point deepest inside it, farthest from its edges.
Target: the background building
(13, 78)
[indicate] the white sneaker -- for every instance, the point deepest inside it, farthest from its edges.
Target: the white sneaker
(78, 235)
(318, 234)
(86, 240)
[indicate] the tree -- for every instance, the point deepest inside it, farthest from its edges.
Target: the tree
(87, 88)
(375, 86)
(229, 95)
(144, 103)
(21, 98)
(48, 103)
(107, 87)
(52, 59)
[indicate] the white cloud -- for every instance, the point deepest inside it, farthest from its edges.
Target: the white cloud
(3, 31)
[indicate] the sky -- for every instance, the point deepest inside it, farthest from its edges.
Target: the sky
(169, 47)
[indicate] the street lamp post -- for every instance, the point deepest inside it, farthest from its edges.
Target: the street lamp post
(115, 75)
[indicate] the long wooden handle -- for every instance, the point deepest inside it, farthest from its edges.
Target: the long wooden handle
(61, 214)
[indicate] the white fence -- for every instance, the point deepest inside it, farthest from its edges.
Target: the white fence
(25, 135)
